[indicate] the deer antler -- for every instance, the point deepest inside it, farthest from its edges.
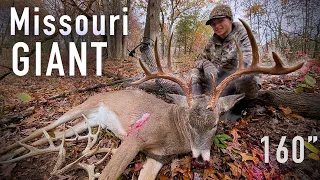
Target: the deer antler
(254, 68)
(35, 151)
(89, 168)
(161, 74)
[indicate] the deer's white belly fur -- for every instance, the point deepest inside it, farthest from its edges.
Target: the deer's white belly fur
(106, 118)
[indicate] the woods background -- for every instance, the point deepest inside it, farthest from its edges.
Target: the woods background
(291, 27)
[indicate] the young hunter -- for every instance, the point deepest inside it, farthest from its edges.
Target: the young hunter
(219, 57)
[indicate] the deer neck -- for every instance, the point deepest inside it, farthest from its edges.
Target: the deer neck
(181, 120)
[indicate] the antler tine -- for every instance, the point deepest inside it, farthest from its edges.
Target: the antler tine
(156, 54)
(253, 69)
(253, 42)
(169, 54)
(161, 74)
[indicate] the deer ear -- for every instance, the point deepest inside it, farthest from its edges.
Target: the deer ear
(226, 102)
(179, 100)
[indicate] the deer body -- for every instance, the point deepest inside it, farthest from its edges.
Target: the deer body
(166, 131)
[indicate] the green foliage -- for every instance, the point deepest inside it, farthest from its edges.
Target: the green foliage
(315, 152)
(24, 97)
(307, 84)
(219, 140)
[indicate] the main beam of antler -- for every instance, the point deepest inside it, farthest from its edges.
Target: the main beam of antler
(253, 69)
(35, 151)
(161, 74)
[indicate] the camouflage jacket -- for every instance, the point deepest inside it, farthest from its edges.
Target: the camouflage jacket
(223, 53)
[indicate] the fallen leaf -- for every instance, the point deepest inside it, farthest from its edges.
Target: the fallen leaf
(270, 175)
(255, 172)
(311, 147)
(209, 173)
(223, 176)
(243, 122)
(33, 117)
(297, 116)
(235, 169)
(285, 110)
(246, 157)
(24, 97)
(235, 143)
(256, 152)
(313, 156)
(182, 166)
(270, 108)
(162, 176)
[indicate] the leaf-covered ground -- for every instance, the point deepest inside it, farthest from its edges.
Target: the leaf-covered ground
(242, 156)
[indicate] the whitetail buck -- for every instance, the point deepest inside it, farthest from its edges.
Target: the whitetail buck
(148, 124)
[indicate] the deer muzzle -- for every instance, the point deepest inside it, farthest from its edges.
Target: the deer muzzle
(200, 158)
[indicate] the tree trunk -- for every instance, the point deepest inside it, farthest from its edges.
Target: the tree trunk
(125, 38)
(151, 31)
(114, 41)
(304, 104)
(107, 37)
(118, 30)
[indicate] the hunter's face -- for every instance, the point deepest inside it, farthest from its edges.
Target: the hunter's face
(222, 26)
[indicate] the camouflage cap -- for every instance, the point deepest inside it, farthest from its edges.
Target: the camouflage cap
(220, 11)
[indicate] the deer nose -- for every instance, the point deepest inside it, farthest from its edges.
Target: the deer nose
(200, 158)
(200, 163)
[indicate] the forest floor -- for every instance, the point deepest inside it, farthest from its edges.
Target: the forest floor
(241, 158)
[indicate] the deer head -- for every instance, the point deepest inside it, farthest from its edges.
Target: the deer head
(203, 111)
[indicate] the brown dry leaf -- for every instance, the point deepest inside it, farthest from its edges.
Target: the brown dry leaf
(285, 110)
(162, 176)
(297, 116)
(270, 175)
(234, 133)
(34, 116)
(243, 122)
(270, 108)
(223, 176)
(246, 157)
(182, 166)
(236, 136)
(209, 173)
(235, 169)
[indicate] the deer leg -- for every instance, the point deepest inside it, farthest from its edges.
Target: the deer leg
(150, 169)
(128, 149)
